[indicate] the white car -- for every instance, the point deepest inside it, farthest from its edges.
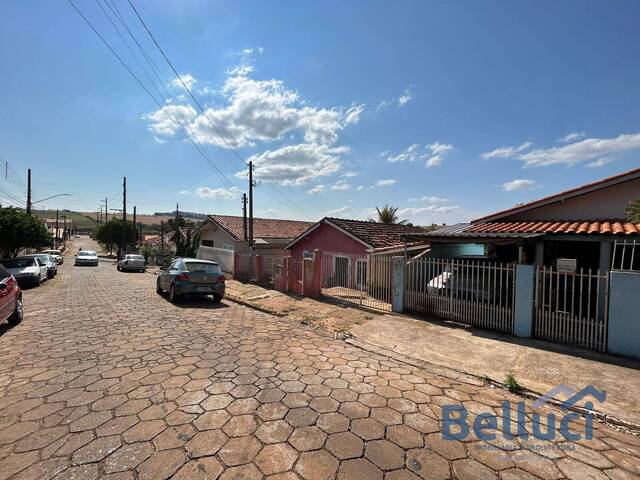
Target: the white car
(132, 262)
(87, 257)
(28, 271)
(56, 254)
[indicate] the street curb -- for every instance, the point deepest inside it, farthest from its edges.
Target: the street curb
(254, 306)
(464, 377)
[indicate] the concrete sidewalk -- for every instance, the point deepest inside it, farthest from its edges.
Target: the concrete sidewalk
(537, 365)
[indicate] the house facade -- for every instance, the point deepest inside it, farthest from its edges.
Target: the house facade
(223, 239)
(576, 229)
(347, 247)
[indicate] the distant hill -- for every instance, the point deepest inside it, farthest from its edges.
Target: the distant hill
(191, 215)
(81, 221)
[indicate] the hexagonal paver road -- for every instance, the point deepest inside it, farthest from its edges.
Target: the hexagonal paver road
(107, 379)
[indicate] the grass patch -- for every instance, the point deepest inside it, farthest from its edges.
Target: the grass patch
(512, 384)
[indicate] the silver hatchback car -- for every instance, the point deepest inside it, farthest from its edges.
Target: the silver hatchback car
(132, 263)
(191, 276)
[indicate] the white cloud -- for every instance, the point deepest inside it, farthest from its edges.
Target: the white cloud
(317, 189)
(506, 152)
(221, 193)
(350, 174)
(341, 212)
(297, 164)
(440, 209)
(253, 111)
(359, 187)
(352, 115)
(570, 137)
(593, 151)
(518, 184)
(587, 150)
(401, 101)
(405, 98)
(384, 183)
(183, 192)
(187, 79)
(407, 155)
(436, 153)
(601, 162)
(429, 199)
(341, 185)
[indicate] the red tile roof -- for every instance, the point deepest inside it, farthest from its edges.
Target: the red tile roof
(573, 192)
(262, 227)
(375, 234)
(601, 227)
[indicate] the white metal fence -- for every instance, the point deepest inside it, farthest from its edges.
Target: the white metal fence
(359, 279)
(626, 255)
(472, 292)
(222, 256)
(572, 308)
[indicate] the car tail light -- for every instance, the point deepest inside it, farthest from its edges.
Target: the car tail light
(182, 276)
(221, 278)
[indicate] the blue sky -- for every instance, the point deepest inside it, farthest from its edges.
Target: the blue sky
(447, 110)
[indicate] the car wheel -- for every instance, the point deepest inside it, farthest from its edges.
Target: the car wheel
(173, 296)
(118, 268)
(217, 298)
(18, 314)
(158, 287)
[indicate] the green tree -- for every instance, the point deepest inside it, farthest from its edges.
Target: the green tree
(187, 243)
(633, 211)
(19, 230)
(109, 234)
(389, 215)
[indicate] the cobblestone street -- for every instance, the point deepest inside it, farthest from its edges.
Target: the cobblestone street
(107, 379)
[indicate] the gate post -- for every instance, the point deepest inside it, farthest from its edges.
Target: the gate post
(523, 309)
(624, 303)
(397, 284)
(286, 272)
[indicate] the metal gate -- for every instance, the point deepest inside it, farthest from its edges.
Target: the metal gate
(473, 292)
(572, 308)
(359, 279)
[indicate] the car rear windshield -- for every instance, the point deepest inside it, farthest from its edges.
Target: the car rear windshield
(52, 252)
(86, 253)
(19, 262)
(201, 267)
(134, 257)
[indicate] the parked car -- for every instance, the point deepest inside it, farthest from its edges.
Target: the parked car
(191, 276)
(28, 271)
(52, 266)
(87, 257)
(132, 262)
(10, 298)
(57, 256)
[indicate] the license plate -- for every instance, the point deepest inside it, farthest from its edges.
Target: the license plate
(203, 289)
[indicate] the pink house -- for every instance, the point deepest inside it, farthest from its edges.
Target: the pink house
(345, 246)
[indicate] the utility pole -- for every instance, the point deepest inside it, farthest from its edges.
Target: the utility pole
(124, 217)
(134, 222)
(244, 215)
(28, 191)
(106, 210)
(251, 206)
(64, 232)
(55, 236)
(161, 242)
(177, 211)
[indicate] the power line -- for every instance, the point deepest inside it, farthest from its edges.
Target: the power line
(285, 200)
(124, 64)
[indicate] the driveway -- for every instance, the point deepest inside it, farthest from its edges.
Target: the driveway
(107, 379)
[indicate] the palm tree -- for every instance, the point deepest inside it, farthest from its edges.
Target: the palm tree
(388, 215)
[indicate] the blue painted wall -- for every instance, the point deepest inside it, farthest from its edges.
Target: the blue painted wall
(455, 250)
